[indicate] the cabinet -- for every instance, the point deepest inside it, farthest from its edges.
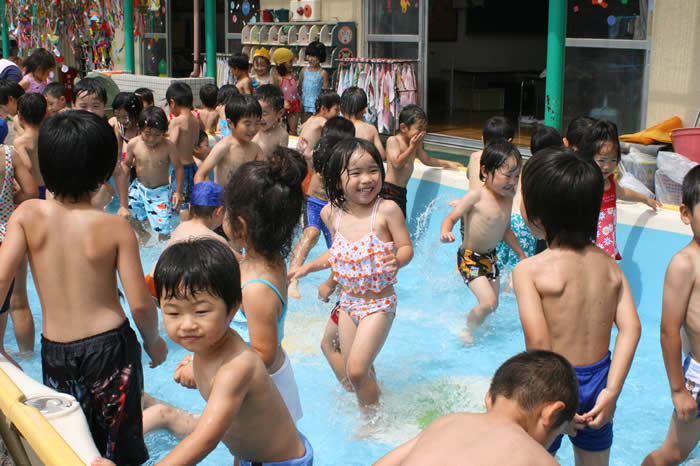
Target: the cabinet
(339, 38)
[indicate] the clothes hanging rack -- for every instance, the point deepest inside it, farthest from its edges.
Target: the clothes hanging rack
(390, 85)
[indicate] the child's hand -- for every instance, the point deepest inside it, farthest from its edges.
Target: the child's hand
(454, 203)
(653, 203)
(302, 145)
(602, 412)
(452, 165)
(447, 237)
(685, 404)
(124, 212)
(296, 274)
(158, 352)
(417, 139)
(176, 200)
(184, 373)
(326, 289)
(391, 263)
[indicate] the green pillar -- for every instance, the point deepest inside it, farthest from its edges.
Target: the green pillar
(556, 38)
(129, 35)
(5, 34)
(210, 42)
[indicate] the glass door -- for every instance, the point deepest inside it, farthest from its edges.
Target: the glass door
(156, 53)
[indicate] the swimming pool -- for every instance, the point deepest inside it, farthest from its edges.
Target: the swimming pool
(424, 370)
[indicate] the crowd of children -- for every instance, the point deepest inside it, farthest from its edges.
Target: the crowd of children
(222, 282)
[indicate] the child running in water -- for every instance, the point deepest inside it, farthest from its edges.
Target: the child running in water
(37, 68)
(272, 133)
(13, 169)
(284, 78)
(486, 215)
(312, 78)
(681, 308)
(571, 294)
(370, 243)
(532, 397)
(150, 195)
(88, 348)
(601, 144)
(198, 284)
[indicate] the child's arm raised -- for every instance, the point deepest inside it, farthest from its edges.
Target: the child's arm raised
(216, 154)
(432, 161)
(399, 235)
(530, 309)
(629, 330)
(229, 389)
(463, 206)
(140, 302)
(629, 195)
(179, 175)
(678, 284)
(395, 156)
(28, 187)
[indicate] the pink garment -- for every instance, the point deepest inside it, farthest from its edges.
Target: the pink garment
(290, 90)
(606, 238)
(357, 265)
(7, 204)
(35, 86)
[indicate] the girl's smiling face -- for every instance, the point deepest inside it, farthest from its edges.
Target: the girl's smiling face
(261, 66)
(361, 181)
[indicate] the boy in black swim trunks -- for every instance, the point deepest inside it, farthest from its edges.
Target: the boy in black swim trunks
(88, 347)
(486, 215)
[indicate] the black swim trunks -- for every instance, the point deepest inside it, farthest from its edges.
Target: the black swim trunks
(6, 304)
(104, 374)
(395, 193)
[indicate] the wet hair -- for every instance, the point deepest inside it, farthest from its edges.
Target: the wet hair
(40, 59)
(601, 133)
(282, 69)
(130, 102)
(145, 94)
(535, 377)
(198, 265)
(208, 95)
(153, 117)
(316, 49)
(55, 90)
(577, 130)
(180, 93)
(545, 136)
(268, 196)
(691, 188)
(563, 190)
(327, 98)
(335, 130)
(225, 93)
(271, 94)
(241, 106)
(412, 114)
(495, 155)
(337, 164)
(32, 108)
(68, 160)
(9, 89)
(87, 86)
(496, 128)
(239, 61)
(353, 101)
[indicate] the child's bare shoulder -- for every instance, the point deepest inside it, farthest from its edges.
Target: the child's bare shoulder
(685, 261)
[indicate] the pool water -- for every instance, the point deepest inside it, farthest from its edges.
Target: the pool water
(424, 370)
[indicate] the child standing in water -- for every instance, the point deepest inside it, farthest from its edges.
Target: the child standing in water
(223, 97)
(239, 68)
(55, 95)
(601, 144)
(37, 68)
(370, 243)
(571, 294)
(150, 194)
(284, 78)
(272, 133)
(261, 67)
(127, 108)
(207, 113)
(313, 78)
(486, 215)
(88, 348)
(353, 104)
(681, 308)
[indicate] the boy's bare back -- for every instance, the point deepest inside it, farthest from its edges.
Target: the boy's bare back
(369, 132)
(237, 373)
(309, 136)
(26, 146)
(184, 133)
(269, 140)
(152, 163)
(226, 157)
(682, 284)
(451, 439)
(568, 301)
(74, 254)
(210, 119)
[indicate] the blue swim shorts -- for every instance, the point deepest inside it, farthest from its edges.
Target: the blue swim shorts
(188, 184)
(691, 371)
(152, 204)
(312, 217)
(591, 381)
(306, 460)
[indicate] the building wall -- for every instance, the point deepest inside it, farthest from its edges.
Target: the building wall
(674, 78)
(120, 59)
